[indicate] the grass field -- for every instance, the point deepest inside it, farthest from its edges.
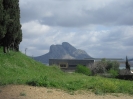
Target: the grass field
(17, 68)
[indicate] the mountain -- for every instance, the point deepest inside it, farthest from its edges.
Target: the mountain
(131, 59)
(64, 51)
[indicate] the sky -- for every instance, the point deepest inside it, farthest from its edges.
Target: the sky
(103, 28)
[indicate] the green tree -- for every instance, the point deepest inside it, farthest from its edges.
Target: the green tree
(2, 23)
(18, 40)
(104, 66)
(13, 27)
(127, 64)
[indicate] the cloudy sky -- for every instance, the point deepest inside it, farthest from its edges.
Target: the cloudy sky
(103, 28)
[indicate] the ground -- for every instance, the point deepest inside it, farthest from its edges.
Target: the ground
(30, 92)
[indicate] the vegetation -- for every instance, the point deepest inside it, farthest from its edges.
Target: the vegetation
(114, 73)
(105, 66)
(10, 28)
(16, 68)
(127, 64)
(22, 94)
(83, 69)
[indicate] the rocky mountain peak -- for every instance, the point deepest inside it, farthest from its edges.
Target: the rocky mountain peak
(69, 48)
(64, 51)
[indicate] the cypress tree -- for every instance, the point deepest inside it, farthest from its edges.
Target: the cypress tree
(19, 31)
(2, 22)
(127, 64)
(18, 40)
(1, 18)
(13, 26)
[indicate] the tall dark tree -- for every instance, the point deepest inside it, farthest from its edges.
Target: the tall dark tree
(18, 40)
(19, 31)
(2, 22)
(1, 18)
(13, 27)
(127, 64)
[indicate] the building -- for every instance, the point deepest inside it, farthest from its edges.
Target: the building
(70, 64)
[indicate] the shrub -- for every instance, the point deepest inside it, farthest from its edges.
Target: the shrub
(98, 67)
(114, 73)
(112, 65)
(83, 69)
(104, 66)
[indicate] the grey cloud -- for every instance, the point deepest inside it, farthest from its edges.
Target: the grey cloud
(101, 29)
(75, 13)
(115, 13)
(128, 42)
(27, 14)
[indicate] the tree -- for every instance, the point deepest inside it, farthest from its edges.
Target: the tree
(13, 34)
(2, 23)
(18, 40)
(127, 64)
(104, 66)
(1, 18)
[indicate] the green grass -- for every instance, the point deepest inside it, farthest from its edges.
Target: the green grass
(16, 68)
(22, 94)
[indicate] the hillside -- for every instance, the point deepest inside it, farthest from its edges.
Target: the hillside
(16, 68)
(64, 51)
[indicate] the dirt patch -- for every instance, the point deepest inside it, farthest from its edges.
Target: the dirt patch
(30, 92)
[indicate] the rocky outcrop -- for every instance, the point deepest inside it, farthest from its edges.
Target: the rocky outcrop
(64, 51)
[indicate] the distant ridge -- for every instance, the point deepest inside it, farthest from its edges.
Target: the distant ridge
(130, 59)
(64, 51)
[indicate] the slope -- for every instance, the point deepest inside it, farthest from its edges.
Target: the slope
(16, 68)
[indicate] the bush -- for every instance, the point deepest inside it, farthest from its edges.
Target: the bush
(104, 66)
(99, 67)
(114, 73)
(83, 70)
(112, 65)
(96, 69)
